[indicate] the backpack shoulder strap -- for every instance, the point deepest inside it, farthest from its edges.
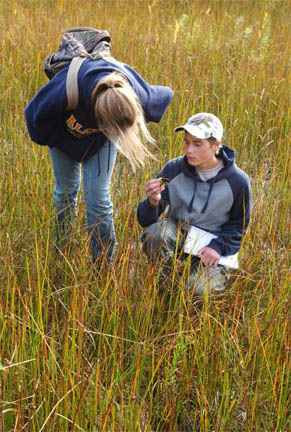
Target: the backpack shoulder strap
(72, 83)
(72, 78)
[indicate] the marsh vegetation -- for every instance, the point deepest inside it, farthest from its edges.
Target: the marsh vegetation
(87, 349)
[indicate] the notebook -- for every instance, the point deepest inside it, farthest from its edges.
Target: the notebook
(197, 238)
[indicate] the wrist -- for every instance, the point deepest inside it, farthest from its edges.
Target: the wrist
(154, 202)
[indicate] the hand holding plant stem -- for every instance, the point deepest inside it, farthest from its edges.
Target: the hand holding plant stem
(154, 188)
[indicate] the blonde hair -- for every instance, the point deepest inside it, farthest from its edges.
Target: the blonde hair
(120, 117)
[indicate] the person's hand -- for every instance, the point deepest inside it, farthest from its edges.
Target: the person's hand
(209, 256)
(153, 189)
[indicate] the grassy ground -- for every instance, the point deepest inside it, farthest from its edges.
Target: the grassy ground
(84, 349)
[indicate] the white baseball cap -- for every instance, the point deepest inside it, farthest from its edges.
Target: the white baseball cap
(203, 126)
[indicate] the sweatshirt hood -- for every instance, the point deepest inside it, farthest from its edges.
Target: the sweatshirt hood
(227, 155)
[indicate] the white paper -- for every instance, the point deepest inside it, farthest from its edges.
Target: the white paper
(197, 238)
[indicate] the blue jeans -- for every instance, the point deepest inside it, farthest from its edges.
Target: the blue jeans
(97, 172)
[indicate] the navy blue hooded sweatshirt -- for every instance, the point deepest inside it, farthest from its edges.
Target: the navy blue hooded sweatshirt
(220, 205)
(75, 132)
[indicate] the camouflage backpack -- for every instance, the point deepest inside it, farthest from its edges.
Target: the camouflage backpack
(77, 45)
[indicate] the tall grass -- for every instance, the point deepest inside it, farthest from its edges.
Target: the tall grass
(84, 348)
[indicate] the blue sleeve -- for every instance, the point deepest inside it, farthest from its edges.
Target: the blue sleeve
(155, 99)
(148, 214)
(43, 112)
(229, 241)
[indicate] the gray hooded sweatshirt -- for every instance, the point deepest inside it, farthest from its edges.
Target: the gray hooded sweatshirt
(220, 205)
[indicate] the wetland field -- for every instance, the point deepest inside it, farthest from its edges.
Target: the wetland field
(85, 348)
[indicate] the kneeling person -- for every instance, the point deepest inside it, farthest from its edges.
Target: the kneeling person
(204, 189)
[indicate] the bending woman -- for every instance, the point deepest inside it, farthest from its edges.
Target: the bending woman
(114, 104)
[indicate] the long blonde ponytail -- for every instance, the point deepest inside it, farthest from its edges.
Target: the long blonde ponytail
(120, 117)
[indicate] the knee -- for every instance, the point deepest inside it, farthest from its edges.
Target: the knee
(157, 240)
(66, 192)
(152, 237)
(99, 205)
(65, 197)
(208, 280)
(65, 202)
